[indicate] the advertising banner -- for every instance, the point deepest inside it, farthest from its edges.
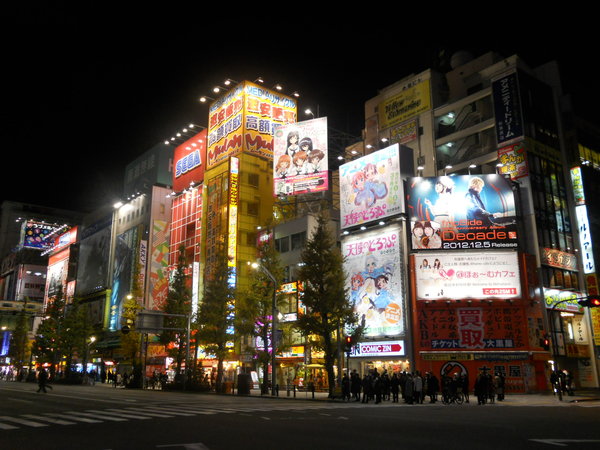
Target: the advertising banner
(370, 187)
(472, 328)
(94, 251)
(159, 263)
(411, 101)
(561, 300)
(300, 158)
(514, 161)
(37, 235)
(190, 159)
(585, 239)
(125, 250)
(461, 212)
(244, 119)
(507, 108)
(477, 275)
(374, 280)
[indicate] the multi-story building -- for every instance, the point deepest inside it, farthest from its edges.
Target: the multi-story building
(497, 120)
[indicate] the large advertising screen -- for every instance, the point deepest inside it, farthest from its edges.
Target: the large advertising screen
(37, 235)
(94, 251)
(461, 212)
(477, 275)
(244, 119)
(370, 187)
(374, 280)
(300, 158)
(189, 160)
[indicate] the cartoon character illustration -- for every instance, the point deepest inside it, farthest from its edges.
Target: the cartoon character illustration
(306, 144)
(443, 210)
(372, 182)
(299, 161)
(292, 143)
(283, 166)
(314, 158)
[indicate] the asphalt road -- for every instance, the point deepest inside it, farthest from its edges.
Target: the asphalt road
(101, 417)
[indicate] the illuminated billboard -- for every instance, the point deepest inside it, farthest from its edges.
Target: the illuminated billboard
(371, 187)
(477, 275)
(37, 235)
(461, 212)
(244, 119)
(300, 158)
(374, 280)
(189, 161)
(410, 102)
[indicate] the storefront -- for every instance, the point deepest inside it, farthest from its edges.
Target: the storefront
(387, 356)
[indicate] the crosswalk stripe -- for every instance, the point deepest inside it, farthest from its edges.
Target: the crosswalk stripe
(148, 413)
(20, 421)
(4, 426)
(118, 413)
(167, 410)
(99, 416)
(48, 419)
(74, 417)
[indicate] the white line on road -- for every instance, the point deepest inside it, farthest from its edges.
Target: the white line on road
(563, 442)
(74, 417)
(4, 426)
(29, 423)
(48, 419)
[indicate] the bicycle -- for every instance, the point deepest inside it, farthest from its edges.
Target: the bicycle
(453, 397)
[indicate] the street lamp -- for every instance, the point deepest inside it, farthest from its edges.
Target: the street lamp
(256, 265)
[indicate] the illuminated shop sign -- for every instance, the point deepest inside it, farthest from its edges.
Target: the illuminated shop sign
(556, 258)
(480, 275)
(414, 99)
(36, 235)
(461, 213)
(233, 215)
(379, 348)
(370, 187)
(562, 300)
(585, 239)
(189, 162)
(507, 108)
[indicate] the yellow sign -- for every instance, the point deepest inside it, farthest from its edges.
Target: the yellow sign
(408, 103)
(243, 120)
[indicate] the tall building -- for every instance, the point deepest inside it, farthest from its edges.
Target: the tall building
(487, 290)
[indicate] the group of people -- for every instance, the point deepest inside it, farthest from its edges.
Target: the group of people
(413, 388)
(489, 388)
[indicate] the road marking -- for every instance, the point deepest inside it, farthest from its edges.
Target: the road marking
(48, 419)
(563, 442)
(167, 410)
(29, 423)
(19, 400)
(98, 416)
(73, 417)
(148, 413)
(4, 426)
(118, 413)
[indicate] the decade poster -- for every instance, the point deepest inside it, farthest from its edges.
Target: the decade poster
(461, 213)
(374, 280)
(300, 158)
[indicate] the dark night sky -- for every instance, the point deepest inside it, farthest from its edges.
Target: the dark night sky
(85, 97)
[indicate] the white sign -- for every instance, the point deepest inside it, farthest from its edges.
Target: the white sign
(379, 348)
(585, 239)
(483, 275)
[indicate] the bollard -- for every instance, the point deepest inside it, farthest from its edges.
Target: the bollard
(294, 391)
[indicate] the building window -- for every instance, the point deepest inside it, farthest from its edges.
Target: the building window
(253, 179)
(298, 240)
(282, 244)
(252, 208)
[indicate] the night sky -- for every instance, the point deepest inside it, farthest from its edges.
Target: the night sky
(89, 91)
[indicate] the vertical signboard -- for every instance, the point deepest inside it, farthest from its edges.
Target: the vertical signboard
(507, 108)
(300, 158)
(371, 187)
(234, 170)
(374, 280)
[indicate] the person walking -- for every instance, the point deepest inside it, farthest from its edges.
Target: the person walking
(418, 388)
(43, 381)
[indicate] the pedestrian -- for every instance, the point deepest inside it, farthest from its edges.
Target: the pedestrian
(366, 388)
(418, 388)
(433, 386)
(499, 379)
(491, 388)
(355, 385)
(569, 387)
(345, 388)
(377, 387)
(385, 386)
(481, 388)
(43, 381)
(395, 387)
(464, 379)
(408, 389)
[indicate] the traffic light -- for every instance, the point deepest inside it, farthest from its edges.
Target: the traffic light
(349, 344)
(545, 343)
(592, 301)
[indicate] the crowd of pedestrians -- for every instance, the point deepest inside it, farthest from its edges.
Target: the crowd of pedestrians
(414, 388)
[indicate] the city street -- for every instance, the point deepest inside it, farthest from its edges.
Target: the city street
(102, 417)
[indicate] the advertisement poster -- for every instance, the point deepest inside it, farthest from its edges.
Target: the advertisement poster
(480, 275)
(37, 235)
(370, 187)
(507, 108)
(473, 328)
(159, 263)
(300, 158)
(412, 100)
(514, 161)
(189, 160)
(94, 250)
(125, 250)
(374, 280)
(461, 212)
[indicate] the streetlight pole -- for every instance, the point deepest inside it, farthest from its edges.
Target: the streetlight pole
(273, 327)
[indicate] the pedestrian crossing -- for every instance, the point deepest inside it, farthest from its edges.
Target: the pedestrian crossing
(132, 413)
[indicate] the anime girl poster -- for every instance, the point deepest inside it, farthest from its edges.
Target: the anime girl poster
(374, 280)
(370, 187)
(300, 158)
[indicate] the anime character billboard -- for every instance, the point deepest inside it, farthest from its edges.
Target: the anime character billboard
(374, 280)
(370, 187)
(461, 212)
(300, 158)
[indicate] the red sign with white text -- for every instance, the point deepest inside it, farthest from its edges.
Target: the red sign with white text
(189, 162)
